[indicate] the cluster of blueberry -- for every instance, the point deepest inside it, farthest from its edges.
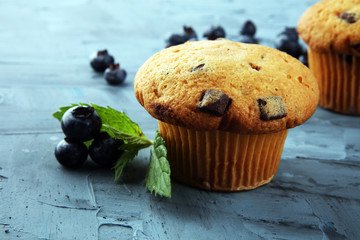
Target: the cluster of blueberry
(215, 32)
(287, 40)
(103, 62)
(188, 35)
(81, 124)
(247, 32)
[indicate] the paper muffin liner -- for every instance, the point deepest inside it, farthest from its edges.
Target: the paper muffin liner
(338, 76)
(222, 161)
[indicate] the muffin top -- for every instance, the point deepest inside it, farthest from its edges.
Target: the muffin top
(332, 25)
(228, 86)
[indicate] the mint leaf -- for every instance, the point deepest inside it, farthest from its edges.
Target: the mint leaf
(119, 126)
(158, 175)
(118, 121)
(123, 160)
(140, 141)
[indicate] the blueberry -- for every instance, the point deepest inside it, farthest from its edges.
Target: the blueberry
(248, 39)
(114, 75)
(287, 44)
(304, 59)
(175, 39)
(81, 123)
(291, 33)
(214, 33)
(104, 150)
(248, 28)
(101, 61)
(188, 35)
(71, 154)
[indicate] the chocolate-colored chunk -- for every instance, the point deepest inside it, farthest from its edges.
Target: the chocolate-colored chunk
(198, 67)
(349, 17)
(214, 102)
(271, 108)
(254, 66)
(161, 110)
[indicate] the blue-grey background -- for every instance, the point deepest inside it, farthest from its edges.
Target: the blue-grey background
(44, 64)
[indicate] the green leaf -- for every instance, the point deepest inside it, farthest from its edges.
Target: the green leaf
(119, 126)
(130, 139)
(123, 161)
(158, 175)
(118, 121)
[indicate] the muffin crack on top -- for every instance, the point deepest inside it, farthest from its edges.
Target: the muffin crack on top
(228, 86)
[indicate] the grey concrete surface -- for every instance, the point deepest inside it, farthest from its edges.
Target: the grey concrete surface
(45, 48)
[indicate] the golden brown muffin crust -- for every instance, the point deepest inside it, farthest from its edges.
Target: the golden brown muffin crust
(332, 25)
(263, 89)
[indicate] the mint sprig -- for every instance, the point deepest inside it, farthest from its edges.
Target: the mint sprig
(120, 126)
(158, 175)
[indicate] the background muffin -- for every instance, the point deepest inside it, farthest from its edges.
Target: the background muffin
(224, 109)
(331, 29)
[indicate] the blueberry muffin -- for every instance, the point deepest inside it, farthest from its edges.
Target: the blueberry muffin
(331, 30)
(224, 109)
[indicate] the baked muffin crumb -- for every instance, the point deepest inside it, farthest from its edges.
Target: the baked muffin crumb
(178, 77)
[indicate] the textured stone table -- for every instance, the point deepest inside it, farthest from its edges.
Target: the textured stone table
(45, 48)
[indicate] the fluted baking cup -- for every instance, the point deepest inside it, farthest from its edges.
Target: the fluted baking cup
(222, 161)
(338, 76)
